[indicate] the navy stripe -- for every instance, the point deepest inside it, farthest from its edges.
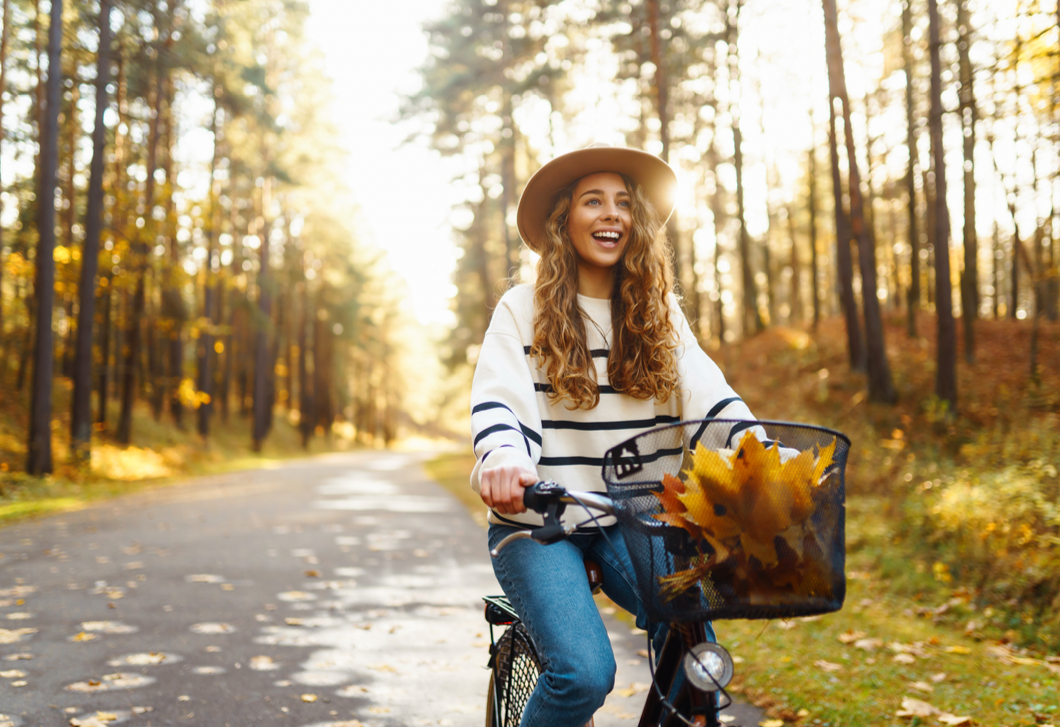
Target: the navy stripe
(737, 428)
(527, 431)
(500, 428)
(547, 389)
(606, 426)
(595, 353)
(714, 411)
(487, 454)
(486, 406)
(720, 406)
(599, 461)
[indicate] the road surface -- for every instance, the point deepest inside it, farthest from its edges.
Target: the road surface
(340, 591)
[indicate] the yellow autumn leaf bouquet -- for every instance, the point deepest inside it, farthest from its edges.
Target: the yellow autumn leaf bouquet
(748, 513)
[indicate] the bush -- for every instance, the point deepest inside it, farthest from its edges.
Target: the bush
(998, 532)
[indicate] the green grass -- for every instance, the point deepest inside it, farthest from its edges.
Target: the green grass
(801, 672)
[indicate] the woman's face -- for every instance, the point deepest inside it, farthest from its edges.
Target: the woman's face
(599, 223)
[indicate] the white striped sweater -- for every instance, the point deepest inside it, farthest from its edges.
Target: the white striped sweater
(514, 422)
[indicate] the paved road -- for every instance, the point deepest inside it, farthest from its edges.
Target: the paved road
(341, 591)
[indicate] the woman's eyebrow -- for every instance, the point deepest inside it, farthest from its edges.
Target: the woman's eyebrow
(601, 192)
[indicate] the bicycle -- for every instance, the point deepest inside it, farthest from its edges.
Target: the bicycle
(723, 519)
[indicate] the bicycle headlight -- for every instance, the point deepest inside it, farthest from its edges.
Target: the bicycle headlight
(708, 667)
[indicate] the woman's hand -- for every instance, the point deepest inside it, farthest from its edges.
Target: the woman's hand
(501, 488)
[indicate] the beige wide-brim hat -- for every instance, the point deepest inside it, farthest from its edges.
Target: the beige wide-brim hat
(654, 176)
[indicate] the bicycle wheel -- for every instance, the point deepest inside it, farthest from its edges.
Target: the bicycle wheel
(516, 668)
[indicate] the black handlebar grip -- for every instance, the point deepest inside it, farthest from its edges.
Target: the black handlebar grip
(537, 496)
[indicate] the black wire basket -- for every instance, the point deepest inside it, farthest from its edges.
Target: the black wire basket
(730, 519)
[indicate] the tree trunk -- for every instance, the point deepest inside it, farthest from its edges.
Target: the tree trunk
(969, 114)
(844, 260)
(751, 318)
(946, 380)
(208, 317)
(913, 294)
(174, 311)
(263, 334)
(39, 449)
(81, 415)
(5, 34)
(814, 266)
(305, 402)
(662, 108)
(140, 263)
(881, 387)
(796, 269)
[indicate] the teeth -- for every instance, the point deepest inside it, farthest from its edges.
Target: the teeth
(606, 235)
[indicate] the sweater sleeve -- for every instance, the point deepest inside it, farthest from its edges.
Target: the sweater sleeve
(505, 419)
(705, 394)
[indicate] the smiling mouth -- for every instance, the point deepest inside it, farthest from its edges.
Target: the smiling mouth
(608, 238)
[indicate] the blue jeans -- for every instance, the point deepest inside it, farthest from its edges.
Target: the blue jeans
(546, 585)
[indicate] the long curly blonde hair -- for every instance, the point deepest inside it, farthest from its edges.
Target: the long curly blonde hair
(642, 362)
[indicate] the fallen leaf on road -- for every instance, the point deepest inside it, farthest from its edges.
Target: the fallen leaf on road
(296, 596)
(723, 718)
(20, 616)
(212, 628)
(941, 676)
(263, 663)
(108, 627)
(827, 666)
(772, 723)
(82, 636)
(958, 650)
(13, 636)
(208, 670)
(291, 621)
(905, 658)
(922, 687)
(142, 710)
(20, 683)
(954, 720)
(17, 657)
(354, 690)
(643, 653)
(17, 591)
(111, 682)
(379, 710)
(309, 697)
(99, 719)
(204, 578)
(384, 667)
(851, 636)
(312, 573)
(635, 688)
(148, 659)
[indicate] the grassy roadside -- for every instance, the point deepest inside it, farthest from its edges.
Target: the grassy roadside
(161, 455)
(901, 635)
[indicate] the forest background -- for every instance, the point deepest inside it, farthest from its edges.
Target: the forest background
(201, 281)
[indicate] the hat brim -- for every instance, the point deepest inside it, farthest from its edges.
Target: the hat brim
(654, 176)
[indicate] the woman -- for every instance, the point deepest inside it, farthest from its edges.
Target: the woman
(596, 351)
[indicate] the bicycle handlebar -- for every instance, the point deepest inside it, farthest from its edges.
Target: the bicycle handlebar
(550, 499)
